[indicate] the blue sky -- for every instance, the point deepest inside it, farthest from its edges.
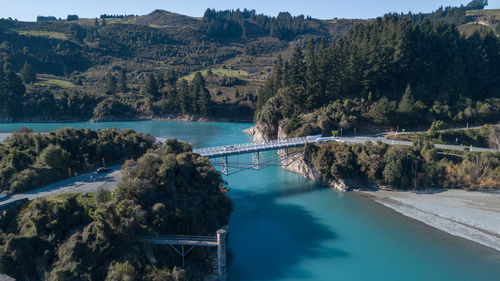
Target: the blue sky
(323, 9)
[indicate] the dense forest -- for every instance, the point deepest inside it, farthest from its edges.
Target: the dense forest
(168, 190)
(385, 73)
(29, 160)
(223, 25)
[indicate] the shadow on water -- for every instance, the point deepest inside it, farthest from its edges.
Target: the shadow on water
(268, 238)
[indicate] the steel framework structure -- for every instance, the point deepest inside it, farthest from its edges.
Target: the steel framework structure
(227, 165)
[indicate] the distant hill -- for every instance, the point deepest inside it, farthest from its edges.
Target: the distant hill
(165, 19)
(234, 49)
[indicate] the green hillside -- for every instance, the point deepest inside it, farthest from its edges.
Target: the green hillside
(124, 67)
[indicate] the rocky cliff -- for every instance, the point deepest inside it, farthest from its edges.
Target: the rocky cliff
(297, 163)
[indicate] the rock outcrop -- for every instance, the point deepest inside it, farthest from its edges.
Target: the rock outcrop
(297, 163)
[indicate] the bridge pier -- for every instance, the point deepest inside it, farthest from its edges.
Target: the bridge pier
(221, 254)
(256, 160)
(224, 165)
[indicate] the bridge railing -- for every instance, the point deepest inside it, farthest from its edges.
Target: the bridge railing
(254, 145)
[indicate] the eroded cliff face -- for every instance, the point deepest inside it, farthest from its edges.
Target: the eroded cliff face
(257, 132)
(298, 163)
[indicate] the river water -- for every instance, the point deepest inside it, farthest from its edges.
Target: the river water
(285, 227)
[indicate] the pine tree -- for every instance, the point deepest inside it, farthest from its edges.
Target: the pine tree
(122, 81)
(406, 103)
(183, 100)
(171, 78)
(28, 73)
(150, 87)
(111, 84)
(160, 80)
(311, 76)
(200, 95)
(278, 74)
(96, 23)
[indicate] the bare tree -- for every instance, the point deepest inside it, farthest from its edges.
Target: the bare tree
(476, 168)
(494, 137)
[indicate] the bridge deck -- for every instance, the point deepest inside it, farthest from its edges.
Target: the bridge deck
(244, 148)
(181, 240)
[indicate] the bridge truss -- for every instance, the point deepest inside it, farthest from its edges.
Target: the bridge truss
(226, 158)
(229, 165)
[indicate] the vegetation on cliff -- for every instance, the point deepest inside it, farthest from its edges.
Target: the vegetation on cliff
(404, 168)
(29, 160)
(169, 190)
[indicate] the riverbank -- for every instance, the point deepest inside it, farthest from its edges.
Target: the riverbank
(473, 215)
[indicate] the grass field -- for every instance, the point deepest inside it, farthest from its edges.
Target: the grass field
(40, 33)
(221, 72)
(55, 82)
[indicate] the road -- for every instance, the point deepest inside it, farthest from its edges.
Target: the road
(81, 183)
(380, 137)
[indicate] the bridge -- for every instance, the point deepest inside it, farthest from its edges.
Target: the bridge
(219, 241)
(227, 167)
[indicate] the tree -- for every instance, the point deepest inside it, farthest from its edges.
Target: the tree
(55, 157)
(406, 103)
(436, 126)
(150, 87)
(171, 77)
(406, 107)
(200, 95)
(494, 137)
(103, 22)
(18, 159)
(381, 111)
(122, 81)
(121, 271)
(77, 32)
(96, 22)
(28, 73)
(72, 17)
(477, 4)
(111, 84)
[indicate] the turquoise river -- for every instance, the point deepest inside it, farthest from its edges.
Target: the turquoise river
(285, 227)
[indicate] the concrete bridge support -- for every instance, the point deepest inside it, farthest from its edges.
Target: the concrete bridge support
(256, 160)
(221, 254)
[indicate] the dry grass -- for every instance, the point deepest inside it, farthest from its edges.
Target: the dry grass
(221, 72)
(55, 82)
(41, 33)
